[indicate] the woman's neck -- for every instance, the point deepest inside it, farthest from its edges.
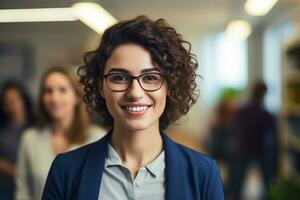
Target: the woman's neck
(59, 140)
(62, 125)
(137, 148)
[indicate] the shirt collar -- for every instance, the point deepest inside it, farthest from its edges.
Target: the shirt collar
(154, 167)
(157, 164)
(113, 157)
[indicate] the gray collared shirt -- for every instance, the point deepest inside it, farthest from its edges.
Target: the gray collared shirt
(118, 184)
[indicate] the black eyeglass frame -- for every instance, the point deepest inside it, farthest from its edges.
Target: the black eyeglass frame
(131, 80)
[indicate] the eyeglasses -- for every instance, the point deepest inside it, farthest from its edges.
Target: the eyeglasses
(120, 82)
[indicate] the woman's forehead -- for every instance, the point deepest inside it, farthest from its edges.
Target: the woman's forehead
(130, 57)
(57, 78)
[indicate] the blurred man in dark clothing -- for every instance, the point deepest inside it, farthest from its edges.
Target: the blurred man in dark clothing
(255, 140)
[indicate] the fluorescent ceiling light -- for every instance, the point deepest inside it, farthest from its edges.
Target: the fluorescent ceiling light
(37, 15)
(91, 14)
(238, 29)
(259, 7)
(94, 16)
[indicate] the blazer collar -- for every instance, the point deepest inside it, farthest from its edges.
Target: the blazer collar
(175, 177)
(94, 166)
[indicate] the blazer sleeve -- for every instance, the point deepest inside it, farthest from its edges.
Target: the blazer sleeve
(214, 185)
(54, 187)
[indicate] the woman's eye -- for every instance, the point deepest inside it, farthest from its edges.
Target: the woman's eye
(150, 77)
(48, 90)
(119, 78)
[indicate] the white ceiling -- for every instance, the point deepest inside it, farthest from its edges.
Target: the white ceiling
(188, 16)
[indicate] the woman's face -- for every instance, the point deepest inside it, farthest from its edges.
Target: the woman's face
(59, 96)
(133, 109)
(13, 103)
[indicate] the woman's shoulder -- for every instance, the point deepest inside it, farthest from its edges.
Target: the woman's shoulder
(71, 162)
(79, 154)
(196, 159)
(74, 155)
(32, 134)
(66, 170)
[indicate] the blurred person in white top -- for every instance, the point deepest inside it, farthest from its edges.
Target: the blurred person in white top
(62, 125)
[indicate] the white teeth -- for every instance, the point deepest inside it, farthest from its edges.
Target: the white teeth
(136, 109)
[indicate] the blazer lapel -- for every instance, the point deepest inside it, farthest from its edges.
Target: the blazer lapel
(175, 177)
(93, 169)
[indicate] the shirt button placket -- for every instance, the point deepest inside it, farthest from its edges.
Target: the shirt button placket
(137, 183)
(130, 186)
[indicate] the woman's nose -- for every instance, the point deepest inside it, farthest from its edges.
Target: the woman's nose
(135, 91)
(54, 96)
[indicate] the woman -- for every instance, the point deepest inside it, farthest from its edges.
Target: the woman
(15, 115)
(141, 78)
(62, 125)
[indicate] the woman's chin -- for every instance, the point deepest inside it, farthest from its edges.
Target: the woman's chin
(57, 116)
(137, 125)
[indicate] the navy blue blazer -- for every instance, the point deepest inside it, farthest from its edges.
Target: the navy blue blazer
(77, 174)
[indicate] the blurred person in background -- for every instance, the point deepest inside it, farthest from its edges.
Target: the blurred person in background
(62, 125)
(256, 140)
(15, 115)
(221, 139)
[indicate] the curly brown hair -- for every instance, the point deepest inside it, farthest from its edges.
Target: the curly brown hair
(167, 49)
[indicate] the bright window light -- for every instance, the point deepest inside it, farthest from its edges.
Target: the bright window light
(231, 62)
(37, 15)
(259, 7)
(94, 16)
(224, 64)
(238, 30)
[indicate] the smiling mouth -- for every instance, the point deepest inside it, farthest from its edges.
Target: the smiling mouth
(136, 109)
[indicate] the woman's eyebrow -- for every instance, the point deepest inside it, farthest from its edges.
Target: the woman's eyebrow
(150, 70)
(122, 70)
(118, 70)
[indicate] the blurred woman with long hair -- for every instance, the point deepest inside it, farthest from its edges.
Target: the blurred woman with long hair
(62, 125)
